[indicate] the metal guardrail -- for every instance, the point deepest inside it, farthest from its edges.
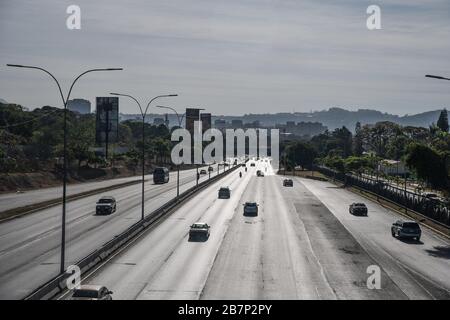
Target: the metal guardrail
(435, 210)
(58, 284)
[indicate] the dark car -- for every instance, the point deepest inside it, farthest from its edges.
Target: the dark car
(288, 183)
(210, 169)
(106, 205)
(160, 175)
(203, 171)
(224, 193)
(199, 230)
(92, 292)
(252, 164)
(406, 229)
(250, 209)
(358, 209)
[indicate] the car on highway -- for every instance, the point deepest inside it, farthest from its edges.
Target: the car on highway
(358, 209)
(288, 183)
(431, 196)
(105, 205)
(251, 209)
(203, 171)
(224, 193)
(160, 175)
(92, 292)
(199, 230)
(210, 169)
(406, 229)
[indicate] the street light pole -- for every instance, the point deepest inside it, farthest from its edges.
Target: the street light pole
(143, 114)
(437, 77)
(65, 102)
(179, 124)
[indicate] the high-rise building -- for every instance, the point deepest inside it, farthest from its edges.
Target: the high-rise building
(81, 106)
(206, 121)
(192, 115)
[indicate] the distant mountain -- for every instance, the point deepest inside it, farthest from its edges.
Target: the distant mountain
(337, 117)
(332, 118)
(3, 101)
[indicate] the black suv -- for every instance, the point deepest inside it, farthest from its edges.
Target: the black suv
(105, 205)
(288, 183)
(224, 193)
(406, 229)
(358, 209)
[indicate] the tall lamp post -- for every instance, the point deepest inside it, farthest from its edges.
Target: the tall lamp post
(199, 119)
(437, 77)
(180, 120)
(143, 114)
(65, 102)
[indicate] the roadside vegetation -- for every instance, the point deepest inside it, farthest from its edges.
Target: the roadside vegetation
(425, 151)
(32, 141)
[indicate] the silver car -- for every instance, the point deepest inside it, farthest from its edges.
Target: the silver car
(406, 229)
(92, 292)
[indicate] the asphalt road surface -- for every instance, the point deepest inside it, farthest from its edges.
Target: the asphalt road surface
(14, 199)
(303, 245)
(30, 245)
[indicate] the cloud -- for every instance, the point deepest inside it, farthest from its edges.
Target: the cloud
(234, 57)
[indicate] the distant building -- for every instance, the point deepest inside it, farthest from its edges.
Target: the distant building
(166, 120)
(235, 124)
(206, 121)
(220, 124)
(393, 167)
(192, 115)
(301, 129)
(81, 106)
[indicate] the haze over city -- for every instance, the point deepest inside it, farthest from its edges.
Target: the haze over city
(232, 57)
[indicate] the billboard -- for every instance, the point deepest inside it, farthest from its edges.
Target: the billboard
(107, 120)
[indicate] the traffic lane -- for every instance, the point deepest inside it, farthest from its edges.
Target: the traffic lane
(196, 258)
(420, 269)
(15, 200)
(28, 266)
(236, 273)
(27, 228)
(290, 252)
(129, 273)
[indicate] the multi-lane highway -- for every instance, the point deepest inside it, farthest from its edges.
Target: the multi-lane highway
(30, 245)
(303, 245)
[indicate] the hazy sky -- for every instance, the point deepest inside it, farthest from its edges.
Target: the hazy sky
(233, 56)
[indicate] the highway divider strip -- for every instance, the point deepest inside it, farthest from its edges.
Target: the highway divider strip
(58, 284)
(21, 211)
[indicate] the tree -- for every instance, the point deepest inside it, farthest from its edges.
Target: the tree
(428, 164)
(443, 121)
(357, 141)
(301, 154)
(357, 164)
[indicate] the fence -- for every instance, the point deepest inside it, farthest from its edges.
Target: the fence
(436, 210)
